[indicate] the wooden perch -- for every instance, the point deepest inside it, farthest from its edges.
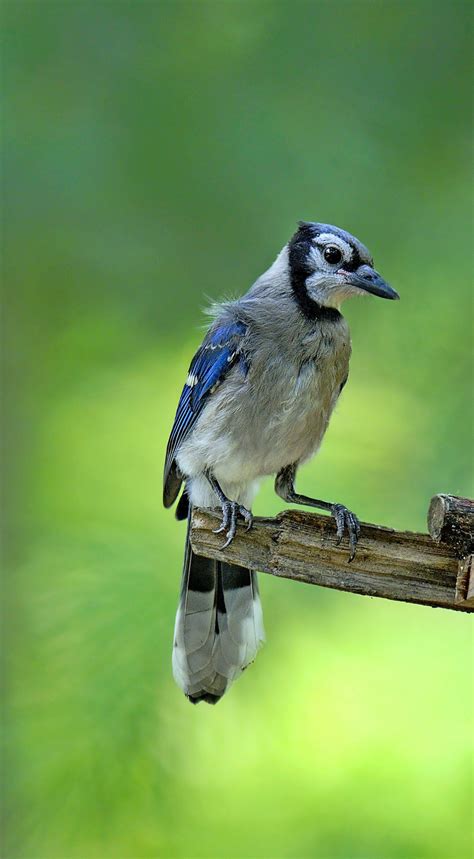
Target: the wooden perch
(451, 521)
(397, 565)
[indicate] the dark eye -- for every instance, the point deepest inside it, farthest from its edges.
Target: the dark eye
(332, 255)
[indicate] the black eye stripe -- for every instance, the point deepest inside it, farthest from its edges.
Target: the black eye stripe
(302, 263)
(299, 252)
(354, 263)
(351, 264)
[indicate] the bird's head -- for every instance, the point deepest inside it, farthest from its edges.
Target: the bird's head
(328, 265)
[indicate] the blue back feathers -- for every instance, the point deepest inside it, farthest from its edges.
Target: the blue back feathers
(220, 350)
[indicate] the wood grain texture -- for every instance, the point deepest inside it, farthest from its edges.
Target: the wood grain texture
(302, 546)
(451, 521)
(465, 583)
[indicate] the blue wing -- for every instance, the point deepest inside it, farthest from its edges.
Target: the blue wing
(221, 348)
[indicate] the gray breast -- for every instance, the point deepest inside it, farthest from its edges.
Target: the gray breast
(279, 414)
(297, 393)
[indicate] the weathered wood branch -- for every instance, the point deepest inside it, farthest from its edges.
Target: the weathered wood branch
(464, 597)
(397, 565)
(451, 521)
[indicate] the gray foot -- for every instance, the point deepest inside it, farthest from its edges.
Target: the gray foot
(346, 520)
(230, 513)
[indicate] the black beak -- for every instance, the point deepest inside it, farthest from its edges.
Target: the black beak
(369, 280)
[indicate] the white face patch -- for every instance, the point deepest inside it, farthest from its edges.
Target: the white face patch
(326, 285)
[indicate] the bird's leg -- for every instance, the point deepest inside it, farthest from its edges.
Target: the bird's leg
(230, 511)
(285, 488)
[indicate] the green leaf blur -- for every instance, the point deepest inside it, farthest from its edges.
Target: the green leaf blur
(156, 154)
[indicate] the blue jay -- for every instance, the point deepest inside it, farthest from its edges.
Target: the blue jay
(257, 401)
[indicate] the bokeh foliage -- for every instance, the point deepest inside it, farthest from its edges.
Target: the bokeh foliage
(155, 153)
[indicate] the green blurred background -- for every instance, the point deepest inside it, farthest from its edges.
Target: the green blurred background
(158, 153)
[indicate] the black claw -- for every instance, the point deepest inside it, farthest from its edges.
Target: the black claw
(230, 537)
(226, 512)
(346, 520)
(246, 516)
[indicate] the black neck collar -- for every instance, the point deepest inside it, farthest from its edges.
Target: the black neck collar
(298, 251)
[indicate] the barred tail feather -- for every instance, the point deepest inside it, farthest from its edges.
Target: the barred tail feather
(219, 626)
